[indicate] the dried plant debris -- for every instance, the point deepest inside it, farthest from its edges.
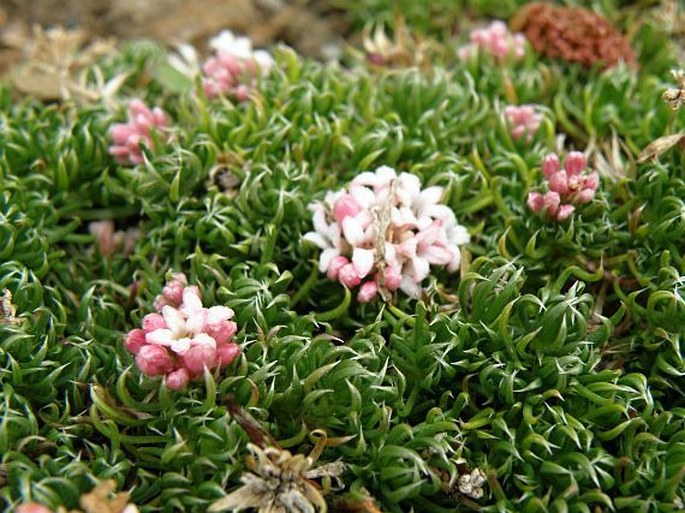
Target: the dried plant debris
(8, 312)
(278, 482)
(574, 34)
(675, 96)
(659, 146)
(57, 65)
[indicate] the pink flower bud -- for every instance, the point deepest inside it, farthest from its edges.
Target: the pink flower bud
(535, 201)
(177, 380)
(198, 357)
(348, 276)
(334, 267)
(585, 196)
(152, 322)
(564, 212)
(551, 202)
(135, 339)
(225, 354)
(173, 290)
(33, 507)
(591, 181)
(393, 279)
(345, 206)
(550, 165)
(367, 292)
(153, 360)
(223, 332)
(558, 182)
(575, 163)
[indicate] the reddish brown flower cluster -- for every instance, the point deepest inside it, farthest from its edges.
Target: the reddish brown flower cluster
(574, 34)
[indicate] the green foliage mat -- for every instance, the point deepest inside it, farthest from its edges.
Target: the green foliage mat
(554, 363)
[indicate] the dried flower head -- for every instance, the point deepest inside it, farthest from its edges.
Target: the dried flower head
(235, 66)
(494, 40)
(523, 120)
(567, 188)
(574, 34)
(675, 96)
(8, 312)
(471, 484)
(58, 63)
(100, 500)
(383, 232)
(276, 482)
(184, 338)
(399, 51)
(128, 137)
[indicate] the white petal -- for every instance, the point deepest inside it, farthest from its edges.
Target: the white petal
(180, 345)
(325, 258)
(430, 196)
(191, 300)
(385, 174)
(197, 321)
(174, 320)
(442, 212)
(419, 269)
(437, 255)
(202, 339)
(317, 239)
(410, 287)
(362, 260)
(353, 231)
(319, 218)
(217, 314)
(160, 337)
(366, 178)
(363, 195)
(459, 235)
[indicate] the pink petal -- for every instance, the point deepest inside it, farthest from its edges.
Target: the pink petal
(225, 354)
(153, 360)
(348, 276)
(437, 255)
(564, 212)
(135, 339)
(558, 182)
(198, 357)
(575, 163)
(223, 332)
(152, 322)
(177, 380)
(550, 165)
(419, 269)
(335, 265)
(367, 292)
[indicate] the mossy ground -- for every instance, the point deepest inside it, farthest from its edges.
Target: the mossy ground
(553, 361)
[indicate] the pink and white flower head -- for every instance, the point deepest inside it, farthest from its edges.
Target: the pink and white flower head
(183, 337)
(523, 120)
(383, 232)
(127, 137)
(567, 188)
(495, 40)
(234, 67)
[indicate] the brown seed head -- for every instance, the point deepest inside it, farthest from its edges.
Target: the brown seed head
(573, 34)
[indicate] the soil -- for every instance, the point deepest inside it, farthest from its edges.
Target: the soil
(312, 27)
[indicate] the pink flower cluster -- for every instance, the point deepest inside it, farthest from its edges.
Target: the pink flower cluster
(568, 187)
(128, 137)
(496, 40)
(523, 120)
(235, 66)
(183, 337)
(382, 233)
